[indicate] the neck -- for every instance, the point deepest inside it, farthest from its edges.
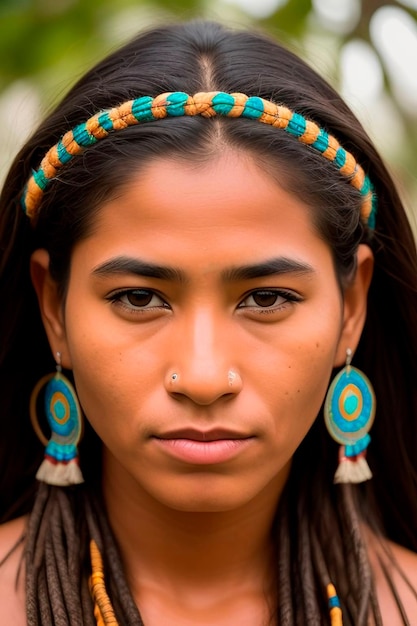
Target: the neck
(164, 546)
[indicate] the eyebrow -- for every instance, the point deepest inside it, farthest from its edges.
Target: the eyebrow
(139, 267)
(270, 267)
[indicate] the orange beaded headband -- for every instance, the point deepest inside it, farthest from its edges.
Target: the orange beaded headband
(206, 104)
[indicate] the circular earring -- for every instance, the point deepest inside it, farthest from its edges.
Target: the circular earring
(60, 465)
(349, 412)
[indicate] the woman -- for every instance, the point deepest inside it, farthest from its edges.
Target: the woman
(206, 258)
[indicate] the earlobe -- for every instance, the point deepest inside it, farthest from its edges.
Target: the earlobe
(50, 304)
(355, 304)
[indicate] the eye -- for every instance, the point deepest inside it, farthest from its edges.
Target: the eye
(269, 299)
(138, 299)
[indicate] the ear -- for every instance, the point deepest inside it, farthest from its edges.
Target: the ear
(50, 305)
(354, 304)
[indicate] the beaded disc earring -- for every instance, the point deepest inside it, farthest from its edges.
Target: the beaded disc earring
(349, 412)
(60, 465)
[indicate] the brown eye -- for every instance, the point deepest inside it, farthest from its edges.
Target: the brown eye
(266, 298)
(139, 297)
(272, 299)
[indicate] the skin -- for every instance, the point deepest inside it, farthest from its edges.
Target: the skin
(253, 352)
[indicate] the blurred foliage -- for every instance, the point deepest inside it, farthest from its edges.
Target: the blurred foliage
(45, 45)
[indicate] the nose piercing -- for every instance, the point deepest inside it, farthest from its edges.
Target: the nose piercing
(232, 377)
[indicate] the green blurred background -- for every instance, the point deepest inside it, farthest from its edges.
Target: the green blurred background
(366, 48)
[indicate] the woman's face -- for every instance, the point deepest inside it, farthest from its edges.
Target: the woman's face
(202, 322)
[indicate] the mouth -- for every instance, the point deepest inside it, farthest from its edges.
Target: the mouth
(217, 434)
(199, 447)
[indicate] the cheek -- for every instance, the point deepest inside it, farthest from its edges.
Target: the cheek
(294, 405)
(99, 369)
(304, 385)
(313, 381)
(295, 380)
(117, 383)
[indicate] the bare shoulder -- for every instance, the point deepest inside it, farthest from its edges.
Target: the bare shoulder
(12, 597)
(394, 567)
(407, 560)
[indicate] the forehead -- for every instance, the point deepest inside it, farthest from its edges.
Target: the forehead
(228, 206)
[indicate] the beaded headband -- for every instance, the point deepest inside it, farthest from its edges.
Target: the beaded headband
(206, 104)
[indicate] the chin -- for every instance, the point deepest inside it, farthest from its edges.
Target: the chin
(208, 496)
(206, 505)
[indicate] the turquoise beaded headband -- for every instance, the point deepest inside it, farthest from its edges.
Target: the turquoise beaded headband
(206, 104)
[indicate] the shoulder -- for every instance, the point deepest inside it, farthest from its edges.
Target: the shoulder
(12, 596)
(395, 568)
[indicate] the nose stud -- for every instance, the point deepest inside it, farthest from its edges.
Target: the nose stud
(231, 377)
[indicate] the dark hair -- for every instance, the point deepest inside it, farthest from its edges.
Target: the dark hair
(317, 524)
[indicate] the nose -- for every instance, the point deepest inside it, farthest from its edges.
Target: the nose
(203, 368)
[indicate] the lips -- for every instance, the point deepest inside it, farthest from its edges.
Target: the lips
(203, 447)
(200, 435)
